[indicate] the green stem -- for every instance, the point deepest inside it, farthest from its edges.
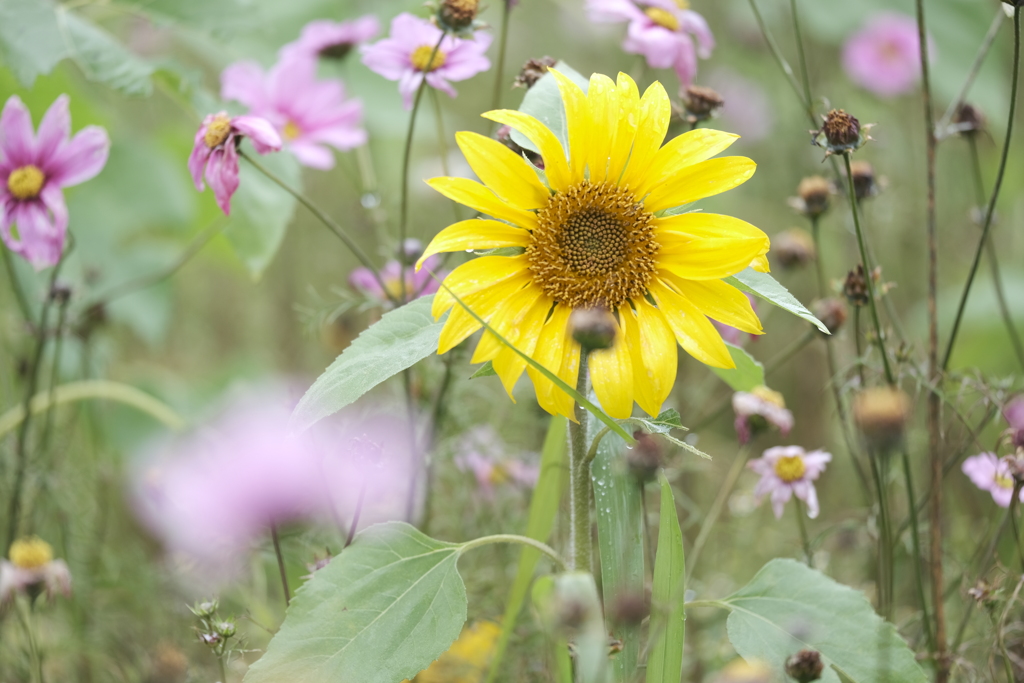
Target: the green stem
(773, 47)
(54, 373)
(819, 262)
(19, 293)
(442, 144)
(708, 522)
(222, 665)
(979, 59)
(280, 565)
(915, 536)
(884, 542)
(800, 53)
(513, 538)
(802, 524)
(499, 76)
(35, 656)
(982, 570)
(579, 477)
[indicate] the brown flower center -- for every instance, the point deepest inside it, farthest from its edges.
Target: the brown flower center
(421, 58)
(663, 18)
(790, 468)
(26, 182)
(594, 246)
(217, 131)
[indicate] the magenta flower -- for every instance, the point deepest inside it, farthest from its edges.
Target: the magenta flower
(884, 57)
(991, 473)
(215, 151)
(405, 56)
(661, 31)
(1013, 413)
(417, 283)
(759, 409)
(34, 168)
(332, 39)
(308, 113)
(787, 471)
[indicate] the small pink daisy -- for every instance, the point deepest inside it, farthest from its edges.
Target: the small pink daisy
(417, 283)
(884, 57)
(405, 56)
(991, 473)
(332, 39)
(787, 471)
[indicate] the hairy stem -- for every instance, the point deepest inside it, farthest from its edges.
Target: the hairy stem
(520, 540)
(19, 293)
(579, 477)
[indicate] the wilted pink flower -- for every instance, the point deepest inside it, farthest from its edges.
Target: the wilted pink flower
(758, 409)
(884, 57)
(417, 283)
(33, 169)
(991, 473)
(483, 454)
(215, 151)
(661, 31)
(1013, 413)
(405, 56)
(789, 470)
(332, 39)
(32, 570)
(308, 113)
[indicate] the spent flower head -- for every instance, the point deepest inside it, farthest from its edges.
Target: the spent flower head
(805, 666)
(533, 70)
(458, 16)
(701, 103)
(840, 133)
(831, 312)
(794, 248)
(814, 196)
(215, 152)
(865, 183)
(881, 414)
(30, 569)
(787, 471)
(332, 39)
(757, 410)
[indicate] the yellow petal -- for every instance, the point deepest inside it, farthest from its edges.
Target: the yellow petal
(569, 373)
(475, 234)
(654, 113)
(710, 259)
(705, 225)
(611, 372)
(478, 197)
(510, 365)
(655, 356)
(626, 123)
(692, 329)
(705, 179)
(685, 150)
(506, 322)
(504, 172)
(475, 275)
(551, 343)
(556, 168)
(577, 120)
(603, 103)
(485, 303)
(760, 264)
(720, 301)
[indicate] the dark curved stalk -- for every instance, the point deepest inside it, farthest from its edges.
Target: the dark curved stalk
(979, 59)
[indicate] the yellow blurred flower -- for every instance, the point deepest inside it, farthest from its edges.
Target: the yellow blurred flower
(467, 659)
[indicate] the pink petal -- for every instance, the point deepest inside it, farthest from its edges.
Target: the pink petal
(80, 159)
(312, 155)
(657, 44)
(54, 129)
(686, 61)
(780, 497)
(613, 11)
(407, 86)
(436, 80)
(244, 82)
(222, 175)
(197, 163)
(389, 58)
(263, 135)
(691, 22)
(41, 242)
(17, 142)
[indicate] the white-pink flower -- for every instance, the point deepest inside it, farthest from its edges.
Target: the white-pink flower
(215, 152)
(990, 473)
(660, 30)
(884, 57)
(332, 39)
(32, 570)
(34, 168)
(310, 114)
(405, 56)
(758, 409)
(787, 471)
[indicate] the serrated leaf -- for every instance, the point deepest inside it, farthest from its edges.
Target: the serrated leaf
(663, 424)
(399, 340)
(543, 101)
(788, 607)
(747, 374)
(101, 58)
(764, 286)
(381, 611)
(668, 626)
(486, 370)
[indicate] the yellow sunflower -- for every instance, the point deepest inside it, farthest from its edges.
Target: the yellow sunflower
(594, 236)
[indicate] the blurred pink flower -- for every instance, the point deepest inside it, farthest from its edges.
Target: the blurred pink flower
(991, 473)
(1013, 413)
(215, 151)
(308, 113)
(748, 110)
(483, 454)
(405, 56)
(661, 31)
(417, 283)
(789, 470)
(884, 57)
(758, 409)
(33, 169)
(333, 39)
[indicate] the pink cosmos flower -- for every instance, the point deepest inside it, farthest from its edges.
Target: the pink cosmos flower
(991, 473)
(1013, 413)
(332, 39)
(884, 57)
(34, 168)
(789, 470)
(483, 455)
(405, 56)
(748, 109)
(308, 113)
(215, 151)
(660, 30)
(759, 409)
(417, 283)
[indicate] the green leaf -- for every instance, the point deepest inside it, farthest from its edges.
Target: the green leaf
(101, 58)
(381, 611)
(747, 374)
(543, 510)
(543, 101)
(788, 607)
(620, 541)
(486, 370)
(764, 286)
(663, 426)
(399, 340)
(668, 626)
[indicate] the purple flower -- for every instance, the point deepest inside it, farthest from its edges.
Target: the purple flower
(405, 56)
(32, 570)
(417, 284)
(991, 473)
(215, 151)
(333, 39)
(1013, 413)
(758, 409)
(789, 470)
(34, 168)
(308, 113)
(483, 454)
(884, 57)
(661, 31)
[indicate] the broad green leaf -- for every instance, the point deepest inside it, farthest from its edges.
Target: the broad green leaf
(381, 611)
(543, 510)
(543, 101)
(668, 626)
(261, 210)
(764, 286)
(789, 607)
(399, 340)
(101, 58)
(747, 374)
(620, 541)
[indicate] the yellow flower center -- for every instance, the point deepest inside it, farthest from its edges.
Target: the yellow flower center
(1004, 482)
(217, 131)
(421, 60)
(30, 552)
(790, 468)
(291, 130)
(683, 4)
(594, 246)
(662, 17)
(769, 396)
(25, 182)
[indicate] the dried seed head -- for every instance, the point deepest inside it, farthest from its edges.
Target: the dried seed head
(701, 103)
(805, 666)
(855, 289)
(814, 195)
(832, 312)
(793, 248)
(865, 183)
(968, 119)
(841, 133)
(881, 414)
(458, 14)
(593, 328)
(532, 71)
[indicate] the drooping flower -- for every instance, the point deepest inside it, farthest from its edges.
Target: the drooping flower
(482, 454)
(417, 283)
(32, 570)
(663, 31)
(884, 57)
(408, 56)
(758, 409)
(991, 473)
(331, 39)
(592, 237)
(215, 152)
(34, 168)
(787, 471)
(310, 114)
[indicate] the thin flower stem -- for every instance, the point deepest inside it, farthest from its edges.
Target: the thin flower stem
(280, 565)
(990, 211)
(442, 145)
(802, 525)
(19, 293)
(885, 561)
(58, 343)
(979, 59)
(773, 47)
(708, 523)
(982, 570)
(915, 537)
(819, 263)
(499, 76)
(1000, 628)
(858, 347)
(512, 538)
(579, 476)
(25, 617)
(222, 665)
(798, 37)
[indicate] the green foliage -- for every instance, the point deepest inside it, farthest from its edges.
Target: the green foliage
(663, 426)
(485, 370)
(381, 611)
(668, 626)
(543, 101)
(542, 597)
(764, 286)
(747, 374)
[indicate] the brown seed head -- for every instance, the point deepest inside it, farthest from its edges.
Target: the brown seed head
(855, 289)
(805, 666)
(881, 414)
(864, 182)
(815, 194)
(793, 248)
(533, 70)
(458, 14)
(832, 312)
(701, 103)
(841, 129)
(969, 119)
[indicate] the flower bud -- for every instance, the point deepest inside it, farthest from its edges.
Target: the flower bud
(831, 312)
(593, 328)
(968, 119)
(865, 184)
(814, 195)
(645, 458)
(701, 103)
(841, 133)
(793, 248)
(629, 608)
(225, 629)
(204, 610)
(855, 289)
(805, 666)
(881, 414)
(532, 71)
(458, 14)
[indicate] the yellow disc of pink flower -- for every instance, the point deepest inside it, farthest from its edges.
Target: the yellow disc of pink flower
(593, 236)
